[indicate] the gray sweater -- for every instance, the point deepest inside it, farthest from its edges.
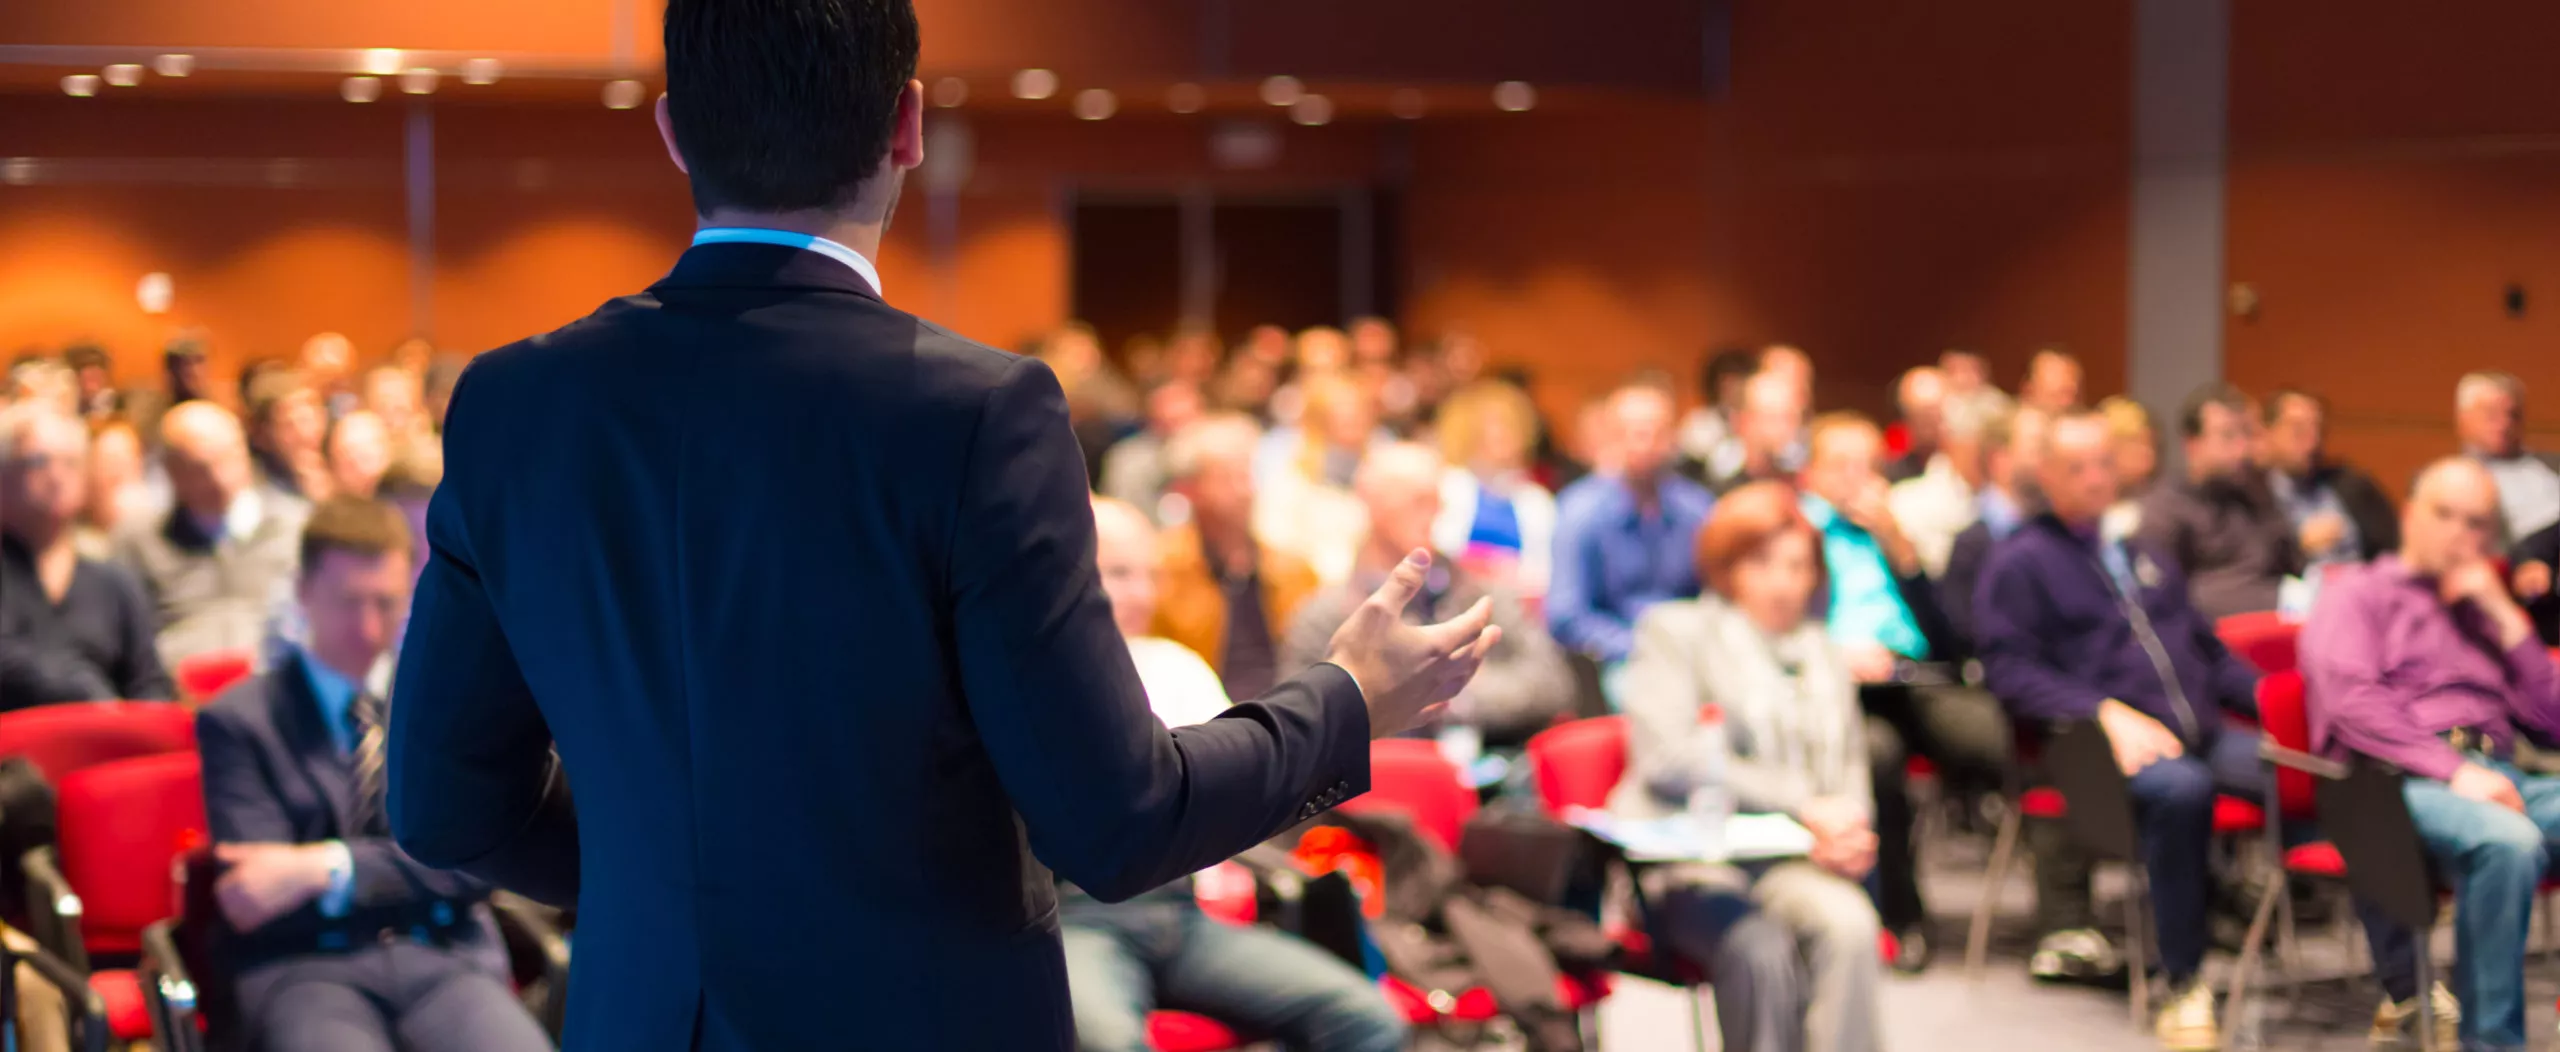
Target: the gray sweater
(1791, 715)
(1525, 682)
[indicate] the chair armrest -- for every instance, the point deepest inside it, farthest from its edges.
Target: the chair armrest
(2298, 760)
(533, 922)
(88, 1009)
(169, 993)
(53, 909)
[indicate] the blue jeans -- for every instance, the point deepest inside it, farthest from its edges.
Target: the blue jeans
(2495, 858)
(2173, 808)
(1125, 960)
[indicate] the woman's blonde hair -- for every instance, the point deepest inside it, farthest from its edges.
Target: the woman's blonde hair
(1460, 427)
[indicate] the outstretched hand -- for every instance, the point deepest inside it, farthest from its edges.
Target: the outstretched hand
(1405, 669)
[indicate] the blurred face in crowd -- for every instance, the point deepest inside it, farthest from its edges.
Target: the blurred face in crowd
(1961, 444)
(207, 457)
(297, 424)
(2220, 447)
(1597, 432)
(2076, 471)
(2490, 421)
(2292, 440)
(1192, 358)
(2053, 382)
(1342, 411)
(187, 379)
(2012, 467)
(2452, 517)
(1400, 485)
(1247, 383)
(1462, 358)
(1072, 352)
(115, 464)
(412, 356)
(326, 358)
(1845, 462)
(1923, 398)
(1268, 343)
(1965, 372)
(1792, 363)
(1220, 486)
(1373, 341)
(394, 394)
(2137, 457)
(354, 604)
(1773, 583)
(44, 483)
(1323, 350)
(1172, 406)
(1772, 415)
(359, 452)
(1125, 552)
(1641, 424)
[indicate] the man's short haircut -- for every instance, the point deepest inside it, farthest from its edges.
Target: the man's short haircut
(2191, 411)
(2276, 400)
(2475, 386)
(1726, 363)
(267, 390)
(356, 526)
(1654, 380)
(2074, 415)
(86, 354)
(2127, 418)
(1184, 452)
(785, 105)
(1976, 418)
(1838, 420)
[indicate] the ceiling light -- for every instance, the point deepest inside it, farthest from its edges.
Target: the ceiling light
(1185, 98)
(419, 81)
(380, 61)
(124, 74)
(1282, 90)
(950, 91)
(1034, 84)
(17, 171)
(482, 71)
(1409, 103)
(1312, 110)
(360, 89)
(1514, 96)
(80, 85)
(173, 65)
(1094, 104)
(622, 94)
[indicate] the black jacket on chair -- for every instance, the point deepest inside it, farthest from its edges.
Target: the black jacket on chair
(802, 590)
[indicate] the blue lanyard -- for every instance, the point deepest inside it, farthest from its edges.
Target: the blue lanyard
(835, 250)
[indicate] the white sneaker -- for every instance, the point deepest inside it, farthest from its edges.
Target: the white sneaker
(2075, 955)
(2186, 1023)
(2394, 1021)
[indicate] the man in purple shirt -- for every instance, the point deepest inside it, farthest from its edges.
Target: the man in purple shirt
(2422, 660)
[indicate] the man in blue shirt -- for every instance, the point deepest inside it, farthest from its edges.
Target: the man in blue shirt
(335, 939)
(1625, 540)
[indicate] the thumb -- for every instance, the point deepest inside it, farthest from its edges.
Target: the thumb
(229, 852)
(1403, 584)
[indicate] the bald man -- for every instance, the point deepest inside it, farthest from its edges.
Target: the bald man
(1525, 683)
(1921, 397)
(217, 565)
(2422, 660)
(70, 629)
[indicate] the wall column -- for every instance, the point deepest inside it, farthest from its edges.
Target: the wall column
(2181, 99)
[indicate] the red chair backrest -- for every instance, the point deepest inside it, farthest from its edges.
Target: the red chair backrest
(123, 826)
(2264, 639)
(1579, 763)
(204, 675)
(2283, 719)
(1410, 775)
(64, 738)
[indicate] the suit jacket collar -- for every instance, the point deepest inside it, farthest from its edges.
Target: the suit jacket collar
(751, 265)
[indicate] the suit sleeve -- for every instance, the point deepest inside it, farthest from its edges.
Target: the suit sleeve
(474, 785)
(1110, 799)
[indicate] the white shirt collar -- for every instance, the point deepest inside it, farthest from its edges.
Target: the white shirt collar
(835, 250)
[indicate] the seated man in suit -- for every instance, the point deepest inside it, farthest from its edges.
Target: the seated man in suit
(2422, 660)
(337, 941)
(70, 629)
(1124, 958)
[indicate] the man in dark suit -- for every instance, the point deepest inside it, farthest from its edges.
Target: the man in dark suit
(336, 941)
(801, 590)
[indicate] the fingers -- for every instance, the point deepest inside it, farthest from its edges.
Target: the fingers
(230, 852)
(1447, 636)
(1403, 584)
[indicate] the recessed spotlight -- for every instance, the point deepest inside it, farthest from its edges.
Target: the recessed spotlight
(622, 94)
(950, 91)
(173, 65)
(482, 71)
(124, 74)
(1282, 90)
(1185, 98)
(1312, 110)
(1409, 103)
(380, 61)
(17, 171)
(419, 81)
(360, 89)
(1034, 84)
(1514, 96)
(1094, 104)
(80, 85)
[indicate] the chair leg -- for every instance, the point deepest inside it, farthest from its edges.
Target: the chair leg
(2426, 993)
(2137, 955)
(1698, 1018)
(2004, 850)
(2288, 952)
(2233, 999)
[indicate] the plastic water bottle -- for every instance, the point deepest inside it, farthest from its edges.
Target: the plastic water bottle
(1710, 802)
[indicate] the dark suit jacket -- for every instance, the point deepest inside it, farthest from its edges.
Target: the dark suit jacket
(1965, 561)
(804, 590)
(273, 773)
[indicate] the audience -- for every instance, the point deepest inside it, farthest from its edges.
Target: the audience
(2136, 458)
(1524, 684)
(397, 395)
(1226, 595)
(2078, 626)
(1921, 397)
(1968, 377)
(288, 427)
(2339, 514)
(1133, 468)
(71, 628)
(1306, 507)
(1623, 537)
(359, 449)
(2012, 441)
(334, 939)
(2053, 381)
(1767, 438)
(1493, 516)
(1707, 432)
(2219, 527)
(326, 360)
(1791, 945)
(1937, 500)
(2421, 660)
(218, 563)
(115, 494)
(2489, 419)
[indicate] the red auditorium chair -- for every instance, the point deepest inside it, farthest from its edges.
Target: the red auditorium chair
(109, 875)
(204, 675)
(67, 737)
(2266, 640)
